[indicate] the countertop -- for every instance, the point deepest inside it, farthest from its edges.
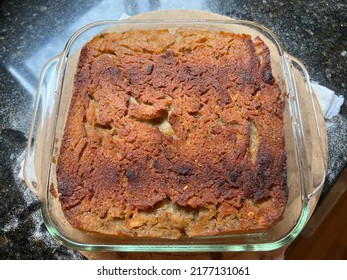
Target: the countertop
(34, 31)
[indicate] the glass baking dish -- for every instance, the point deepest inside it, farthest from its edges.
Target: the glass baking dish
(306, 161)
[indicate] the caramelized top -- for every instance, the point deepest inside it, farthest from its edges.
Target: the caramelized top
(192, 116)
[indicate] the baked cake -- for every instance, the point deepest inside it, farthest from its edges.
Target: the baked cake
(173, 133)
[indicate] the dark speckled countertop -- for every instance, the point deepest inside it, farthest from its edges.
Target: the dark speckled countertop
(315, 31)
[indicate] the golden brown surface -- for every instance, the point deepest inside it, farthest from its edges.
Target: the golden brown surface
(173, 133)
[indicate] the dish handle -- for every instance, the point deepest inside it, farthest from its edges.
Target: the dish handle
(42, 110)
(313, 129)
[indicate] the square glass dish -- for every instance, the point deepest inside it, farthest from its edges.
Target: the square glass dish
(306, 160)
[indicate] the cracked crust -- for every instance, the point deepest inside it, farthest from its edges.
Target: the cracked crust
(173, 134)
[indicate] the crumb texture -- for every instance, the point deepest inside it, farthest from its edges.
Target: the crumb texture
(173, 134)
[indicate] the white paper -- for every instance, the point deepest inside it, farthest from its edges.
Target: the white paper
(329, 102)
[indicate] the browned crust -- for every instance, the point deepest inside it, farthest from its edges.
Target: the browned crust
(173, 133)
